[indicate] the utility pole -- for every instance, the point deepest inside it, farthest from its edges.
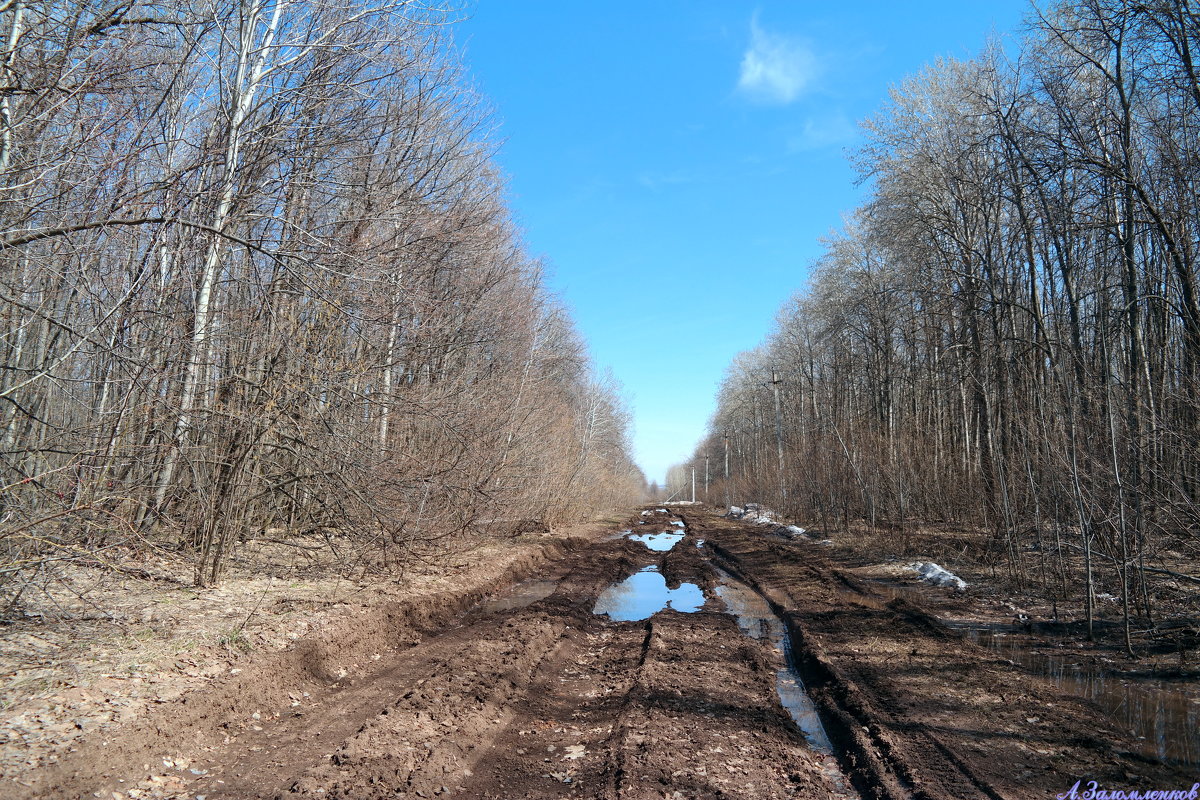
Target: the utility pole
(726, 467)
(706, 476)
(693, 483)
(779, 433)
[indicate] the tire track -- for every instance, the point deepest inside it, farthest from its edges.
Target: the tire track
(913, 709)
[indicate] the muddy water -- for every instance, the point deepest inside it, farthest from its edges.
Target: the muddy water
(660, 542)
(645, 593)
(757, 620)
(1165, 720)
(522, 594)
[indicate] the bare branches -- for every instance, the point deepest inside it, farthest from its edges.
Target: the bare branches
(257, 278)
(1006, 336)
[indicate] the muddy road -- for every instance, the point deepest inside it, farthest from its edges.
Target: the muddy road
(694, 657)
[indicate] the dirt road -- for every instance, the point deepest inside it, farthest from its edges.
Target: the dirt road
(672, 691)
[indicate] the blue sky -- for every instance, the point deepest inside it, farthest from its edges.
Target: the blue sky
(676, 163)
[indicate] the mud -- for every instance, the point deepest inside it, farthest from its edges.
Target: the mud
(622, 671)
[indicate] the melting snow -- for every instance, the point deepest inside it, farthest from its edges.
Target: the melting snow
(753, 512)
(932, 573)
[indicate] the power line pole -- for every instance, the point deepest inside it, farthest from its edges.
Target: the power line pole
(775, 381)
(693, 483)
(726, 467)
(706, 476)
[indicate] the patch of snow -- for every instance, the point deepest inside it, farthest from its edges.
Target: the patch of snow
(760, 516)
(646, 513)
(932, 573)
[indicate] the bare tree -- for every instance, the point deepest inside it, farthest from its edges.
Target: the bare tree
(257, 275)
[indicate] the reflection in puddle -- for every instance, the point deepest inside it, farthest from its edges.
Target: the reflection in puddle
(659, 541)
(645, 593)
(757, 620)
(521, 595)
(678, 522)
(1165, 720)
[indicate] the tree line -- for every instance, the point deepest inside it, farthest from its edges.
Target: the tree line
(1005, 337)
(257, 276)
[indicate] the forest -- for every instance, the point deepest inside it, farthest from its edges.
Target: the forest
(1004, 340)
(258, 279)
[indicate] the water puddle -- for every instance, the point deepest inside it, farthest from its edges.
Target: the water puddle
(1165, 720)
(522, 594)
(643, 594)
(678, 522)
(660, 542)
(758, 621)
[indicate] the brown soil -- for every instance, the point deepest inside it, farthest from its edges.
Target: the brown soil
(440, 694)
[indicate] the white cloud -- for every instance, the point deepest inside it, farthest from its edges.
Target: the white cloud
(775, 68)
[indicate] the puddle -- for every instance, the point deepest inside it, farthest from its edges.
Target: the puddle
(643, 594)
(522, 594)
(757, 620)
(1165, 720)
(678, 522)
(659, 541)
(699, 543)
